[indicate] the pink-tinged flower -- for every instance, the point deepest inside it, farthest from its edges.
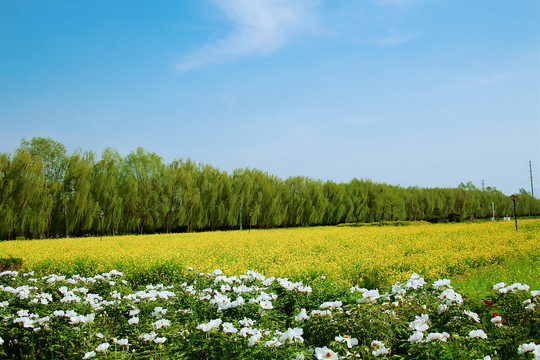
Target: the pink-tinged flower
(488, 303)
(325, 353)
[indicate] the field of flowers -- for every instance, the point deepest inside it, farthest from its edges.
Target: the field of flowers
(367, 256)
(312, 293)
(215, 316)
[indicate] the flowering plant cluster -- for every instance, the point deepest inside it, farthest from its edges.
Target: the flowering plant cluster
(214, 316)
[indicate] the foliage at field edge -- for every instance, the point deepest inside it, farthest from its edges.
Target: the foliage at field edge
(214, 316)
(46, 193)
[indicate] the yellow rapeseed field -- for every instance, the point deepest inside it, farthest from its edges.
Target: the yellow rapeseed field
(341, 253)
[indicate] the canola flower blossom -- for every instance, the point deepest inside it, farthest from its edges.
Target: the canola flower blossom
(411, 248)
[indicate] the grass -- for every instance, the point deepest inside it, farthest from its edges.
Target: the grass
(477, 283)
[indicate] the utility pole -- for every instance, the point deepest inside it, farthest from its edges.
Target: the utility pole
(530, 171)
(514, 198)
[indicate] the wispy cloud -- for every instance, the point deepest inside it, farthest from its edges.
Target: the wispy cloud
(260, 27)
(394, 2)
(393, 38)
(478, 82)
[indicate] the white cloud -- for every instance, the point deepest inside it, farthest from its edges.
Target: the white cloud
(260, 27)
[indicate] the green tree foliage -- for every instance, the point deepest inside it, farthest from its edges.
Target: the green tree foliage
(52, 156)
(46, 193)
(141, 178)
(105, 190)
(81, 206)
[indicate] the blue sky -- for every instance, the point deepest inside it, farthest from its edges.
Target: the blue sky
(422, 93)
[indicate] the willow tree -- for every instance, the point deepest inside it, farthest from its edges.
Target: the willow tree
(105, 189)
(22, 195)
(52, 156)
(142, 188)
(82, 208)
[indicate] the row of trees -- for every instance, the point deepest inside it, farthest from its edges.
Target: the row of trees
(45, 192)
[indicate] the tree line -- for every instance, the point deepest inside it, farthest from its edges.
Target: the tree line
(45, 192)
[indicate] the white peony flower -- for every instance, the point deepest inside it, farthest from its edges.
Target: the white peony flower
(369, 296)
(293, 335)
(302, 316)
(379, 348)
(416, 337)
(266, 304)
(525, 348)
(438, 336)
(440, 283)
(89, 355)
(472, 315)
(325, 353)
(160, 340)
(103, 347)
(161, 323)
(477, 334)
(348, 340)
(210, 325)
(229, 328)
